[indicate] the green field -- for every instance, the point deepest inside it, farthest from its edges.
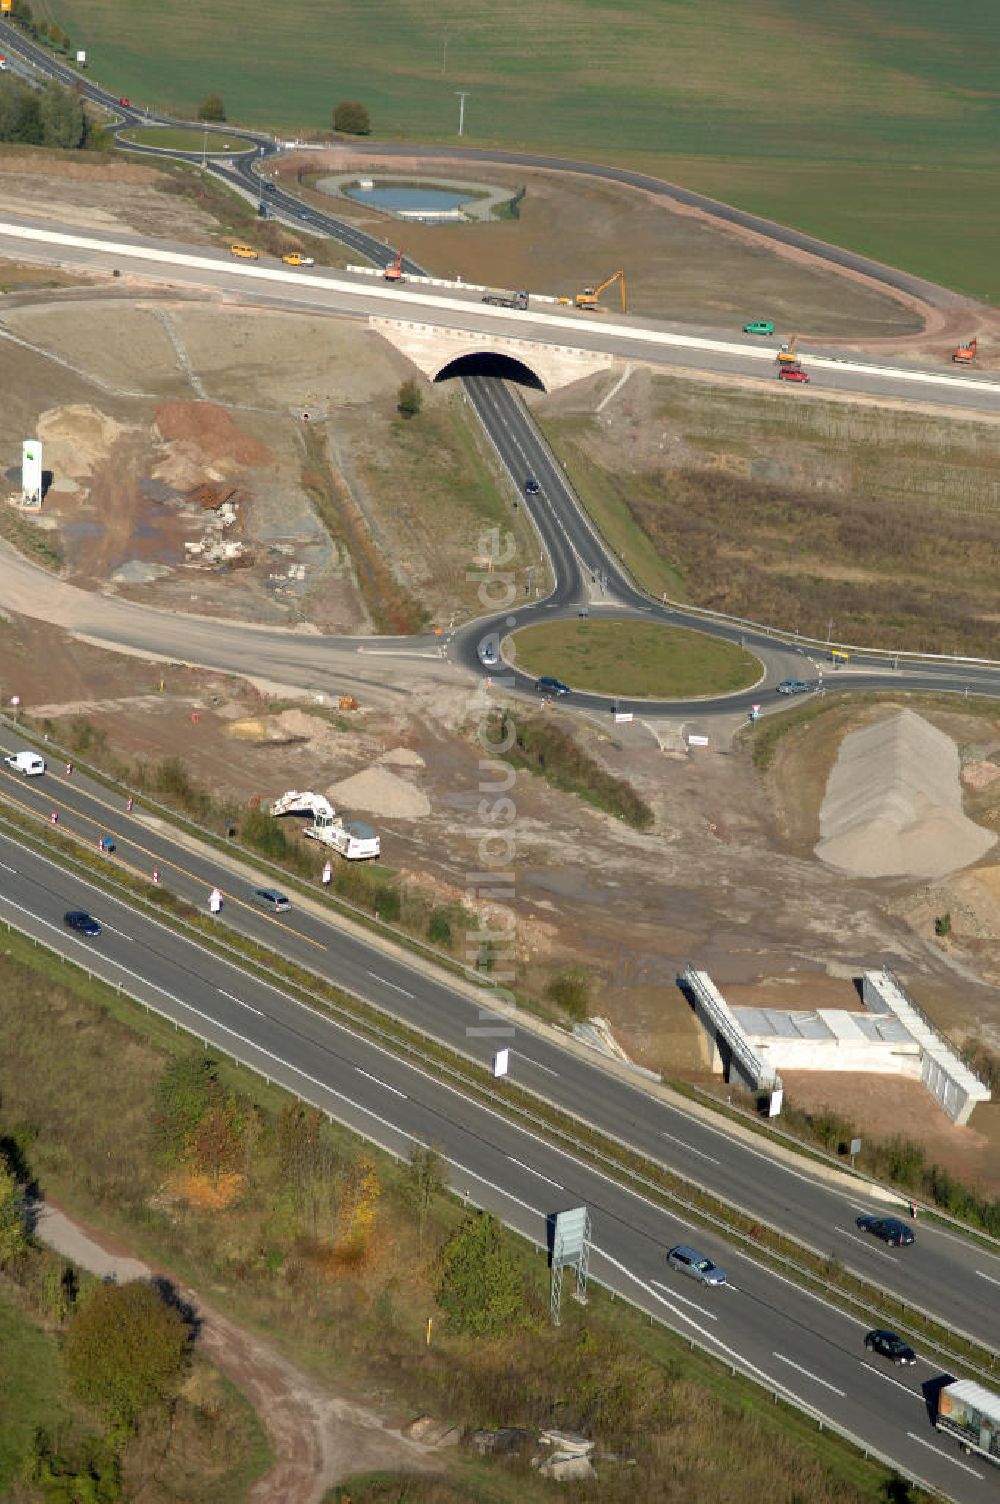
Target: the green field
(635, 659)
(870, 121)
(31, 1391)
(215, 143)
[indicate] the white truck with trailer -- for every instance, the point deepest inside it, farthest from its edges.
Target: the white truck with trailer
(355, 840)
(505, 299)
(971, 1413)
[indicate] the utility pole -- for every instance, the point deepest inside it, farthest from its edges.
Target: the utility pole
(444, 55)
(204, 150)
(463, 95)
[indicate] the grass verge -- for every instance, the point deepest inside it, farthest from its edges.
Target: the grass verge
(635, 659)
(175, 138)
(295, 1250)
(33, 542)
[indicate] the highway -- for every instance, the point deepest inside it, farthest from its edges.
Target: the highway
(790, 1341)
(946, 1275)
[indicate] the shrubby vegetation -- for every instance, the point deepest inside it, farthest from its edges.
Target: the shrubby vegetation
(552, 753)
(52, 117)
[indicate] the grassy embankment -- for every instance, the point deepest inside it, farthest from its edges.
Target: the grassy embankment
(305, 1234)
(635, 659)
(840, 119)
(178, 138)
(879, 527)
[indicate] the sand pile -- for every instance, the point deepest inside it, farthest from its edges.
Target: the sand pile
(77, 438)
(376, 791)
(893, 804)
(402, 757)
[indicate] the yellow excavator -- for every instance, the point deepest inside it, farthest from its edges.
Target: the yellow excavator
(588, 298)
(788, 355)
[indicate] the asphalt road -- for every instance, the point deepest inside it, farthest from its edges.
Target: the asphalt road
(942, 1273)
(792, 1342)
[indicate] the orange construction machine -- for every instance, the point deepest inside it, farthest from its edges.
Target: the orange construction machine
(588, 298)
(394, 271)
(965, 354)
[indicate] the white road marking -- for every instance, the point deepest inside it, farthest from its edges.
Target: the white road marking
(865, 1244)
(389, 984)
(538, 1064)
(120, 933)
(522, 1166)
(379, 1082)
(240, 1002)
(988, 1276)
(8, 869)
(814, 1376)
(946, 1455)
(708, 1315)
(689, 1147)
(890, 1380)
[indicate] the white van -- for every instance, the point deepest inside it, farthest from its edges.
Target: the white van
(30, 764)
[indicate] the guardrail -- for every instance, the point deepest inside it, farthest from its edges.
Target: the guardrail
(756, 1072)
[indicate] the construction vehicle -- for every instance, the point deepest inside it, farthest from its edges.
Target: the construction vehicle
(353, 839)
(588, 298)
(394, 271)
(788, 355)
(505, 299)
(296, 258)
(965, 354)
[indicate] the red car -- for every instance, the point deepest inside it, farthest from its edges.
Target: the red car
(125, 103)
(790, 373)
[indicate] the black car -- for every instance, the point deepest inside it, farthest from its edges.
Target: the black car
(531, 486)
(890, 1229)
(546, 685)
(82, 922)
(270, 898)
(794, 687)
(890, 1346)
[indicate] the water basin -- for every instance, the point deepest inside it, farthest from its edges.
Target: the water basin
(415, 201)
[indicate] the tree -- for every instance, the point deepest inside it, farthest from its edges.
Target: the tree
(409, 399)
(188, 1087)
(125, 1348)
(13, 1220)
(480, 1289)
(62, 120)
(352, 118)
(423, 1179)
(212, 108)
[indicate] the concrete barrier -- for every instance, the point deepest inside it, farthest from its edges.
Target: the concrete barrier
(948, 1079)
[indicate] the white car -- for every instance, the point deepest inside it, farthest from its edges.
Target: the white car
(29, 764)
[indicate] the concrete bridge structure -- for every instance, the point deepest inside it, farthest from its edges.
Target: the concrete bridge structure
(438, 351)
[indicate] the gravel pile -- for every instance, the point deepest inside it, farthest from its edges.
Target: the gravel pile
(376, 791)
(893, 804)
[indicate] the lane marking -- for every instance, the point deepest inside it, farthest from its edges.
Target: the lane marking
(537, 1064)
(890, 1380)
(389, 984)
(814, 1376)
(946, 1455)
(522, 1166)
(240, 1001)
(120, 933)
(987, 1276)
(379, 1082)
(8, 869)
(708, 1315)
(689, 1147)
(865, 1243)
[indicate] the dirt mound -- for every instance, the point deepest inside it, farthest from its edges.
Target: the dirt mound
(893, 804)
(402, 757)
(212, 431)
(376, 791)
(76, 438)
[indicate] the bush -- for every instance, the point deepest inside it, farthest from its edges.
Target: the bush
(212, 108)
(409, 400)
(351, 118)
(552, 753)
(480, 1288)
(570, 990)
(439, 927)
(125, 1348)
(261, 831)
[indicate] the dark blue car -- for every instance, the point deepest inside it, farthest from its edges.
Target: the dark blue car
(82, 922)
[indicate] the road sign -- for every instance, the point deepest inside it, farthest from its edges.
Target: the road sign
(501, 1062)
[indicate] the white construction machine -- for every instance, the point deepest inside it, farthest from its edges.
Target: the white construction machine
(353, 839)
